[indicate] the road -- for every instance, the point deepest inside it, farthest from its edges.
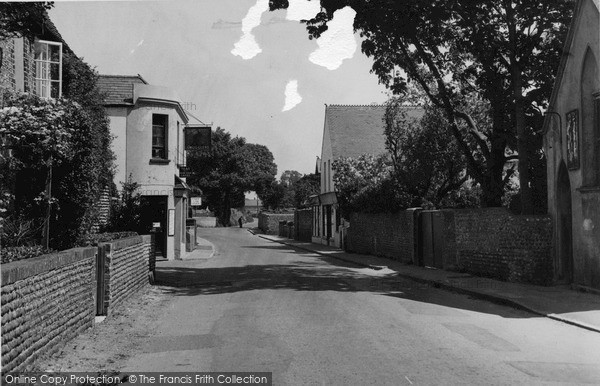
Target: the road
(262, 306)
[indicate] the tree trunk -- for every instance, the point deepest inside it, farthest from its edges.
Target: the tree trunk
(519, 111)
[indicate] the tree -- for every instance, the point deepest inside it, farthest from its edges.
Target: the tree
(22, 18)
(427, 165)
(365, 184)
(307, 186)
(272, 195)
(504, 52)
(231, 168)
(290, 177)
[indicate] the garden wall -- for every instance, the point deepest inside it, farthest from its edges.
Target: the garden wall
(495, 243)
(126, 268)
(489, 242)
(383, 234)
(46, 301)
(269, 222)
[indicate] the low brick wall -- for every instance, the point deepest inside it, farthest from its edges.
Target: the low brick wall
(495, 243)
(383, 234)
(303, 220)
(46, 301)
(126, 268)
(269, 222)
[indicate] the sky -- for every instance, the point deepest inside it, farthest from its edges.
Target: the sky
(233, 64)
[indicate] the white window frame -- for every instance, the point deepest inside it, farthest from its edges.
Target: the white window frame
(46, 76)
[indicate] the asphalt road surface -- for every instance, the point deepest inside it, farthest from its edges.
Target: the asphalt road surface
(262, 306)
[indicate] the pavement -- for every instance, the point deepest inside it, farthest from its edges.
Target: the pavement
(560, 303)
(170, 270)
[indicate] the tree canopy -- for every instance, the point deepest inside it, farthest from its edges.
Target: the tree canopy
(231, 168)
(293, 190)
(426, 162)
(504, 52)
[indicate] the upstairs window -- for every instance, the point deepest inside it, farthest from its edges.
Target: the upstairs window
(48, 69)
(159, 136)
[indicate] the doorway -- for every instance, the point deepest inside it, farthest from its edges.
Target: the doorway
(564, 271)
(154, 219)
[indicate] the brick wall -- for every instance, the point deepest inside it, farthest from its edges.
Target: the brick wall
(269, 222)
(7, 69)
(303, 220)
(488, 242)
(29, 65)
(382, 234)
(495, 243)
(126, 269)
(45, 301)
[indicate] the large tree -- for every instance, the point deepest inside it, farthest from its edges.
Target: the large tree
(426, 162)
(229, 169)
(503, 51)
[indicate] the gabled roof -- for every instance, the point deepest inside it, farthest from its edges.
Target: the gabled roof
(118, 89)
(359, 129)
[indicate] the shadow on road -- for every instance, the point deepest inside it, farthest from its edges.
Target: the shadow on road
(301, 275)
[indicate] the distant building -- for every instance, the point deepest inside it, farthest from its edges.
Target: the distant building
(147, 123)
(572, 142)
(349, 131)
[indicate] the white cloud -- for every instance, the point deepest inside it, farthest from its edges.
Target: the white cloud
(338, 42)
(292, 98)
(303, 9)
(247, 47)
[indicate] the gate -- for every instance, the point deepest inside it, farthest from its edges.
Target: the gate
(431, 239)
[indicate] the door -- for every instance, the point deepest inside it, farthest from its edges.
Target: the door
(154, 219)
(564, 269)
(431, 239)
(329, 222)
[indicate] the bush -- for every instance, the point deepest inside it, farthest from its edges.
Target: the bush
(9, 254)
(126, 211)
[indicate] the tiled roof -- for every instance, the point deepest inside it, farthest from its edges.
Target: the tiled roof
(118, 89)
(358, 129)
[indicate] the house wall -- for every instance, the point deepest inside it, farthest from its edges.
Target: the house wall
(155, 178)
(118, 129)
(46, 301)
(139, 146)
(585, 200)
(303, 220)
(18, 67)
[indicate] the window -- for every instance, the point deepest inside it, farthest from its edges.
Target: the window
(48, 69)
(159, 136)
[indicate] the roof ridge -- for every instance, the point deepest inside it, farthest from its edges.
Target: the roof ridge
(136, 76)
